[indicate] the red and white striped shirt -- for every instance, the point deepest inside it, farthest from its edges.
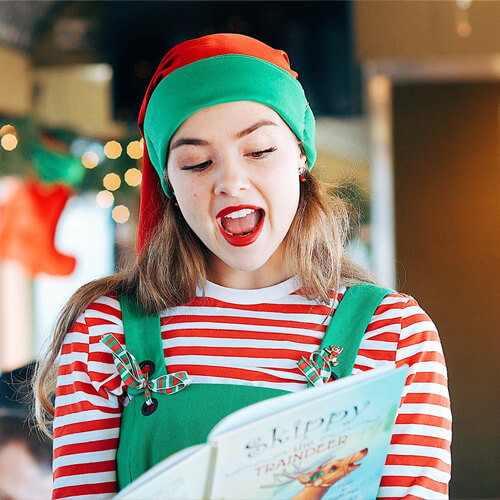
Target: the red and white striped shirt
(251, 337)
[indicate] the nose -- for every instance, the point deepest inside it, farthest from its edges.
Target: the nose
(231, 178)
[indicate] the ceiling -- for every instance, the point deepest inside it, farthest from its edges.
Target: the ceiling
(132, 36)
(20, 22)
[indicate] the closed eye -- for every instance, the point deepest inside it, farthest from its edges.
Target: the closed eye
(260, 154)
(199, 167)
(204, 165)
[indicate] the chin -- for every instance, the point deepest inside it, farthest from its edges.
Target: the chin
(249, 258)
(248, 265)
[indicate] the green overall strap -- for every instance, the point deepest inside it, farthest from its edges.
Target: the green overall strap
(142, 335)
(349, 323)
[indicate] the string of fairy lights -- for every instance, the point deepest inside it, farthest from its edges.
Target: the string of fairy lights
(110, 168)
(9, 138)
(112, 181)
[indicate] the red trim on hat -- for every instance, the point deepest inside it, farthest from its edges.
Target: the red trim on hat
(152, 201)
(181, 55)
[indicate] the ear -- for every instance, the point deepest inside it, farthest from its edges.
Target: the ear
(303, 162)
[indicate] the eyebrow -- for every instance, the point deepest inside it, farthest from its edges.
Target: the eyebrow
(201, 142)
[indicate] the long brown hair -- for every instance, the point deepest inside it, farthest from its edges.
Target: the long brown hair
(174, 261)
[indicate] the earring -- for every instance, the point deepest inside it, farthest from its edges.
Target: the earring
(301, 175)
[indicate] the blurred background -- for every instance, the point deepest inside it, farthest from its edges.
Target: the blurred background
(407, 96)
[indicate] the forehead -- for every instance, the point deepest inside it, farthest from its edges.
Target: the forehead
(230, 117)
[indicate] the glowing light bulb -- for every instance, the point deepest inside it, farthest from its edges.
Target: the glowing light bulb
(7, 129)
(120, 214)
(133, 176)
(105, 199)
(134, 150)
(113, 150)
(90, 159)
(9, 142)
(112, 182)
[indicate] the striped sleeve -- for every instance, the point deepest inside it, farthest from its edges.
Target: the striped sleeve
(244, 344)
(88, 407)
(418, 461)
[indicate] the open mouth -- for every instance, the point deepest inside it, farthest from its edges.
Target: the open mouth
(240, 225)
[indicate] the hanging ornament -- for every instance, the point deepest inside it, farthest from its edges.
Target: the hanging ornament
(28, 221)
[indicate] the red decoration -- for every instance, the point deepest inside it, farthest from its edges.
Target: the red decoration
(28, 221)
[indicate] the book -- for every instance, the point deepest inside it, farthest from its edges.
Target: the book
(326, 442)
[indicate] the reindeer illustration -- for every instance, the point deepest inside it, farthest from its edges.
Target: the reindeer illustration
(319, 481)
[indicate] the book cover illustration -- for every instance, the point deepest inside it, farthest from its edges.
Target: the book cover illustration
(335, 451)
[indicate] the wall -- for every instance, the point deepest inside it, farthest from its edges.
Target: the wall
(447, 187)
(77, 97)
(418, 29)
(15, 82)
(16, 289)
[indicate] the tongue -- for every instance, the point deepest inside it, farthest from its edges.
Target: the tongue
(242, 225)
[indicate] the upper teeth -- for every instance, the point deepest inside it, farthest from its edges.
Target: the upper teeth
(240, 213)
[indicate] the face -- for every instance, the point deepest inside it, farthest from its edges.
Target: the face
(234, 170)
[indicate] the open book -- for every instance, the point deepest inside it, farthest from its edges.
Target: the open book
(324, 442)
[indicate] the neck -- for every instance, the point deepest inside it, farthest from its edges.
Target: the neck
(274, 271)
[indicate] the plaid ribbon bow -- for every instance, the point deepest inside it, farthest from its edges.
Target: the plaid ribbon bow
(318, 368)
(132, 375)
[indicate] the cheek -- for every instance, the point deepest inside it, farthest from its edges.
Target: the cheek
(195, 208)
(284, 200)
(189, 202)
(186, 189)
(290, 181)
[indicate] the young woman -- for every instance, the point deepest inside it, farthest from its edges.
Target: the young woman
(240, 270)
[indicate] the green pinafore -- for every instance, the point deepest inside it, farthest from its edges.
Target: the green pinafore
(150, 433)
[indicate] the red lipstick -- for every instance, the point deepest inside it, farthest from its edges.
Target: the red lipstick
(236, 240)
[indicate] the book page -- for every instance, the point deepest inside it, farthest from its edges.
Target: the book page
(334, 445)
(182, 476)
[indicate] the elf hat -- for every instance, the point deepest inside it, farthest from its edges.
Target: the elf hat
(203, 72)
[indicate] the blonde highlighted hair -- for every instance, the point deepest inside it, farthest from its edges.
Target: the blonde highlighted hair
(174, 261)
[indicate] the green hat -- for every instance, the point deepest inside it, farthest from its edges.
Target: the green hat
(216, 69)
